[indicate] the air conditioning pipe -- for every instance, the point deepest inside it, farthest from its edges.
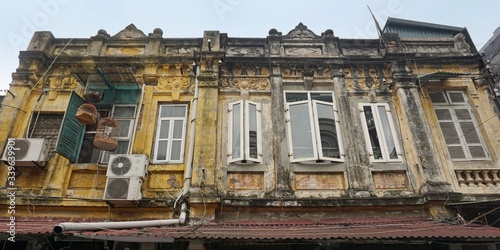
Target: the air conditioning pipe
(81, 226)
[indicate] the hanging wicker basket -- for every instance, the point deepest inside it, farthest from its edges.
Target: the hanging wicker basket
(87, 113)
(107, 132)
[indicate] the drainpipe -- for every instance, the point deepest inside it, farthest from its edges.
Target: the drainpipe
(74, 226)
(192, 133)
(137, 115)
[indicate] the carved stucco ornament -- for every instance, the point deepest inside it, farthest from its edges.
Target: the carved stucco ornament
(301, 32)
(258, 83)
(130, 32)
(173, 83)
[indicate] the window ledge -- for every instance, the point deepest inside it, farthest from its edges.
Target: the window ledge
(321, 167)
(388, 166)
(247, 167)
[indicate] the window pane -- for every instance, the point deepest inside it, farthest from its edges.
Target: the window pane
(173, 111)
(236, 136)
(88, 154)
(175, 155)
(122, 147)
(372, 131)
(166, 111)
(386, 127)
(326, 97)
(302, 144)
(252, 130)
(177, 129)
(296, 97)
(327, 131)
(124, 111)
(124, 127)
(457, 97)
(438, 97)
(162, 150)
(105, 157)
(179, 111)
(164, 128)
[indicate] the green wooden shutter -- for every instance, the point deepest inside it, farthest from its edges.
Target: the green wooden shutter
(72, 131)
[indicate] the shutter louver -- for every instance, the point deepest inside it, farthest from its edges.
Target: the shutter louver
(456, 152)
(460, 132)
(477, 152)
(449, 132)
(443, 114)
(72, 131)
(462, 114)
(470, 132)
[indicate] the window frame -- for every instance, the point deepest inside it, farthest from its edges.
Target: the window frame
(244, 122)
(314, 125)
(170, 132)
(104, 158)
(381, 133)
(452, 106)
(90, 132)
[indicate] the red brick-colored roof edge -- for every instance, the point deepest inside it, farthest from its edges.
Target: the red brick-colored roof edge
(328, 229)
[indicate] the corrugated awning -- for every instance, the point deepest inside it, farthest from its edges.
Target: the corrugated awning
(120, 78)
(412, 228)
(439, 75)
(118, 84)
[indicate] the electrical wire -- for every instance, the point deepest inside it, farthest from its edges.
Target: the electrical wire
(39, 80)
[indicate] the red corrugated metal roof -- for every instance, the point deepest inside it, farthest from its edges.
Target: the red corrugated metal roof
(348, 229)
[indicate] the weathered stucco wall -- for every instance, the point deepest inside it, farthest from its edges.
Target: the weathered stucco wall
(259, 70)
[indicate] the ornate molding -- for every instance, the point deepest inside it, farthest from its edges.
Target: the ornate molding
(173, 83)
(130, 32)
(207, 79)
(366, 78)
(245, 50)
(257, 83)
(301, 32)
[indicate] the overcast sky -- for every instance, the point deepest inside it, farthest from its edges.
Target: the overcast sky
(237, 18)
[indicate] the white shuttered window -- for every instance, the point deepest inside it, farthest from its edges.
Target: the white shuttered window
(313, 127)
(380, 134)
(460, 129)
(170, 134)
(244, 145)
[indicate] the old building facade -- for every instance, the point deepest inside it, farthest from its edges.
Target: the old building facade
(291, 141)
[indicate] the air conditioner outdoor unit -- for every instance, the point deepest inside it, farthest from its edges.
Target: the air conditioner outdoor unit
(119, 245)
(127, 165)
(123, 188)
(26, 152)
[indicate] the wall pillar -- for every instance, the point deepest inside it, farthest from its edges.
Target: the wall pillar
(358, 174)
(429, 165)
